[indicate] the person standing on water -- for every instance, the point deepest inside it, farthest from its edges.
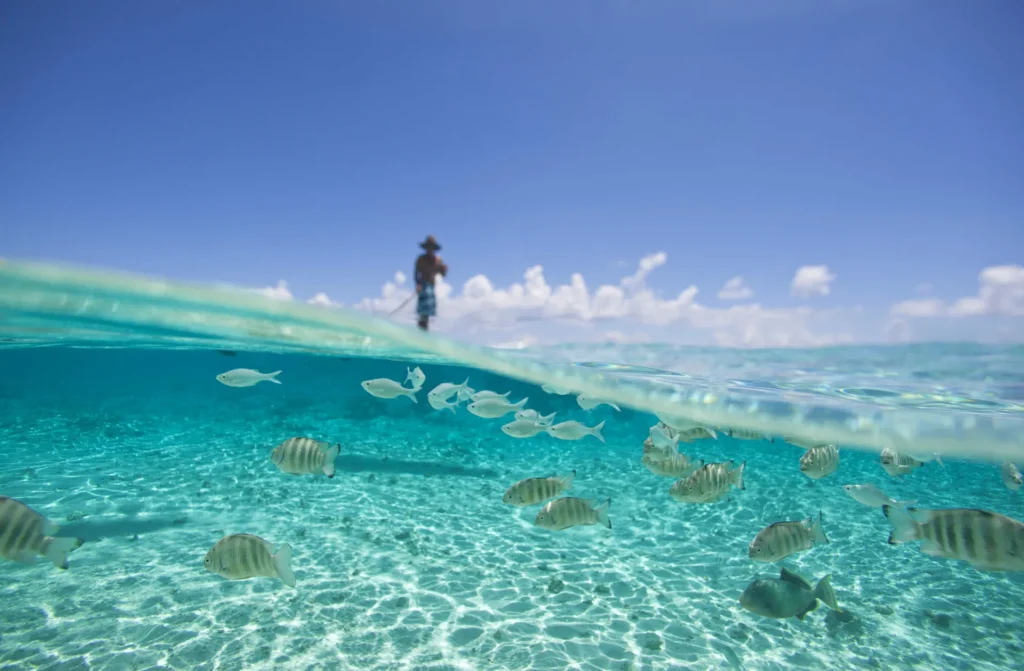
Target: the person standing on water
(428, 266)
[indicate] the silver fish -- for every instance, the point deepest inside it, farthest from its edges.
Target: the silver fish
(989, 541)
(787, 596)
(301, 456)
(573, 430)
(495, 406)
(569, 511)
(869, 495)
(709, 483)
(523, 428)
(1011, 476)
(242, 556)
(656, 452)
(673, 465)
(382, 387)
(247, 377)
(588, 403)
(782, 539)
(896, 464)
(744, 434)
(532, 491)
(416, 377)
(25, 534)
(817, 462)
(536, 417)
(696, 433)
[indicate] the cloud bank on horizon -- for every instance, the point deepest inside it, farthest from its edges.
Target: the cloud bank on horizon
(535, 312)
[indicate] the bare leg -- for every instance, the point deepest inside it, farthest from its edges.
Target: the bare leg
(423, 323)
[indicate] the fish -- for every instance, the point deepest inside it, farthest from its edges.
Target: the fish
(301, 456)
(674, 465)
(446, 390)
(226, 352)
(817, 462)
(652, 450)
(869, 495)
(709, 483)
(531, 491)
(588, 403)
(438, 403)
(802, 442)
(570, 511)
(523, 428)
(534, 416)
(25, 534)
(664, 436)
(1011, 476)
(486, 395)
(416, 377)
(247, 377)
(465, 394)
(676, 422)
(554, 389)
(493, 408)
(243, 556)
(573, 430)
(988, 541)
(385, 388)
(744, 434)
(695, 434)
(789, 595)
(896, 464)
(782, 539)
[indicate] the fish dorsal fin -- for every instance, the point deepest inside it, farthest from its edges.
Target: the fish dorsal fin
(788, 576)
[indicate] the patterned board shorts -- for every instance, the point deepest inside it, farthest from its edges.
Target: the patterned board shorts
(426, 304)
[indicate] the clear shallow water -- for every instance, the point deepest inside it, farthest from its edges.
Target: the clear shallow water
(114, 426)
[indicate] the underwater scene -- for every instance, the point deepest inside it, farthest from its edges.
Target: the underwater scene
(205, 478)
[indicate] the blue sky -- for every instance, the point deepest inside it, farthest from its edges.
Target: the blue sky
(320, 141)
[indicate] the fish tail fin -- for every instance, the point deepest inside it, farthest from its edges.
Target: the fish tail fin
(904, 527)
(938, 460)
(57, 549)
(596, 431)
(824, 592)
(713, 433)
(272, 377)
(411, 393)
(818, 531)
(546, 420)
(521, 404)
(602, 513)
(452, 406)
(738, 476)
(567, 481)
(330, 454)
(617, 408)
(283, 565)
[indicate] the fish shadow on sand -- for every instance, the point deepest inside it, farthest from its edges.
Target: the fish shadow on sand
(91, 532)
(356, 464)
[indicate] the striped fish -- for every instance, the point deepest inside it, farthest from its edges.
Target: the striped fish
(743, 434)
(1011, 476)
(896, 464)
(695, 434)
(569, 511)
(782, 539)
(242, 556)
(709, 483)
(651, 448)
(302, 456)
(664, 436)
(673, 466)
(989, 541)
(817, 462)
(25, 534)
(531, 491)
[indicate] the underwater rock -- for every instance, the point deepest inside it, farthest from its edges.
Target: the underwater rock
(602, 589)
(75, 516)
(556, 586)
(654, 643)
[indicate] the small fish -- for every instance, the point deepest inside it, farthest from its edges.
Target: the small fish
(573, 430)
(465, 394)
(869, 495)
(247, 377)
(553, 389)
(243, 556)
(486, 395)
(664, 437)
(789, 595)
(569, 511)
(695, 434)
(896, 464)
(655, 452)
(446, 390)
(531, 491)
(25, 534)
(438, 403)
(416, 377)
(523, 428)
(989, 541)
(802, 442)
(744, 434)
(782, 539)
(673, 466)
(385, 388)
(1011, 476)
(588, 403)
(302, 456)
(709, 483)
(676, 422)
(817, 462)
(534, 416)
(493, 408)
(226, 352)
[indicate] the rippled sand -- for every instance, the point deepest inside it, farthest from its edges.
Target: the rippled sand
(409, 560)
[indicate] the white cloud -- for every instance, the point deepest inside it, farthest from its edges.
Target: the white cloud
(635, 282)
(1001, 293)
(323, 299)
(280, 292)
(812, 281)
(735, 290)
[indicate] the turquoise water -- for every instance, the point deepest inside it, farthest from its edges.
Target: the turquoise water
(114, 426)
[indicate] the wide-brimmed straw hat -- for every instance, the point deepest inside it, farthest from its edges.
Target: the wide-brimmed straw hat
(430, 243)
